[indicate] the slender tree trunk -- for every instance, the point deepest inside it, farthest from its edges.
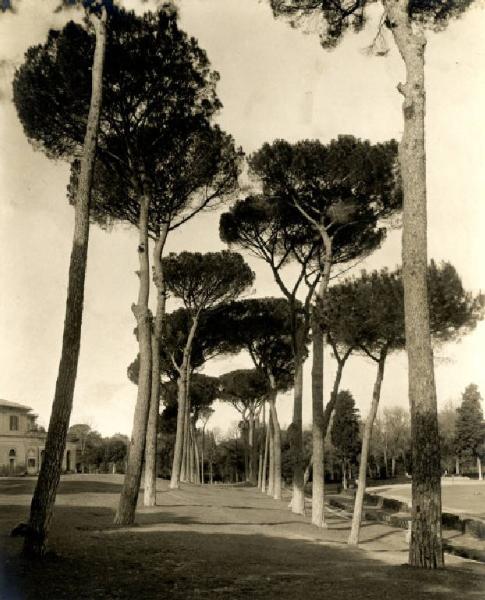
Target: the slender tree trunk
(264, 478)
(359, 497)
(260, 450)
(151, 437)
(202, 457)
(479, 468)
(183, 386)
(393, 466)
(125, 514)
(253, 456)
(457, 466)
(318, 517)
(184, 469)
(276, 442)
(179, 436)
(244, 435)
(296, 441)
(344, 475)
(426, 548)
(42, 505)
(270, 488)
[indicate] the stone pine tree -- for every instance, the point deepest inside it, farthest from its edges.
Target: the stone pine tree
(278, 234)
(199, 174)
(345, 433)
(164, 165)
(262, 327)
(374, 317)
(33, 99)
(201, 282)
(406, 21)
(246, 390)
(469, 427)
(344, 190)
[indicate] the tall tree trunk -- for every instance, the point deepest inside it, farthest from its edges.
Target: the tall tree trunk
(261, 450)
(318, 341)
(182, 399)
(479, 469)
(125, 514)
(264, 477)
(276, 442)
(359, 497)
(202, 458)
(457, 466)
(393, 466)
(270, 488)
(44, 497)
(150, 480)
(344, 475)
(179, 436)
(253, 456)
(296, 441)
(426, 548)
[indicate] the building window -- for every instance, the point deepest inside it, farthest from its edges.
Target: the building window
(31, 463)
(12, 453)
(14, 423)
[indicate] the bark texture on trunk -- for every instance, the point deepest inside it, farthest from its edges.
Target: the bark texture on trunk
(150, 481)
(426, 548)
(318, 501)
(296, 442)
(125, 515)
(359, 497)
(43, 500)
(182, 399)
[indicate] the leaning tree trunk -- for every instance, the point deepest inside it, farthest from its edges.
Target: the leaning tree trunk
(296, 441)
(359, 497)
(150, 486)
(426, 548)
(276, 442)
(44, 497)
(125, 514)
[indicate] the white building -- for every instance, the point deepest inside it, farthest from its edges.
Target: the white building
(22, 444)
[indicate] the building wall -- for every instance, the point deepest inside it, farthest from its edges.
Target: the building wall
(6, 413)
(28, 453)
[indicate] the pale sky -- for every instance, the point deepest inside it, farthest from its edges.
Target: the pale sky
(276, 82)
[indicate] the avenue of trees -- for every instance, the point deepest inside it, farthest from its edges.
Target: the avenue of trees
(130, 102)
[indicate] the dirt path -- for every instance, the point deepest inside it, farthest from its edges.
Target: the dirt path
(211, 542)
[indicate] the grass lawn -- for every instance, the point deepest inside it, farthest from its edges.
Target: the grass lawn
(458, 497)
(211, 542)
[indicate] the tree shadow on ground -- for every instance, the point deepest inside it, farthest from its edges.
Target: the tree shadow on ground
(186, 565)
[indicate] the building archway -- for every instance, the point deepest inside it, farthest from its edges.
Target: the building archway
(31, 462)
(12, 460)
